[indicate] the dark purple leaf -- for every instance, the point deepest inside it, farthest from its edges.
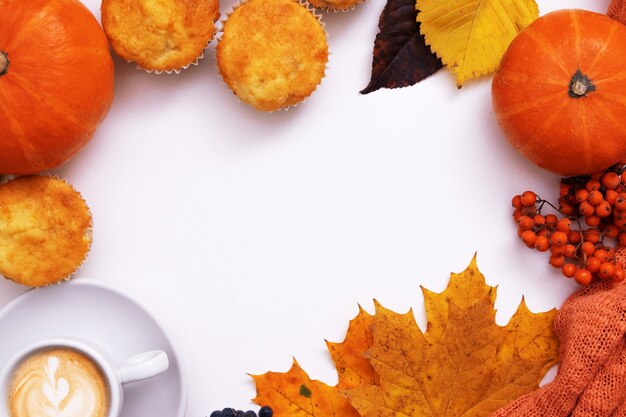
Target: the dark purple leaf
(401, 56)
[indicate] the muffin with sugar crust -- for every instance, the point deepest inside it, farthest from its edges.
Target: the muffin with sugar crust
(160, 35)
(272, 53)
(45, 230)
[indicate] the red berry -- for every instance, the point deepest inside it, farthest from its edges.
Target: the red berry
(583, 277)
(517, 202)
(529, 210)
(592, 264)
(525, 223)
(588, 248)
(539, 220)
(557, 250)
(557, 261)
(566, 208)
(575, 237)
(603, 209)
(592, 235)
(568, 270)
(564, 225)
(606, 270)
(593, 220)
(542, 243)
(558, 238)
(619, 214)
(569, 250)
(610, 180)
(611, 231)
(620, 224)
(602, 255)
(611, 196)
(620, 201)
(544, 231)
(581, 195)
(586, 208)
(529, 237)
(551, 221)
(592, 185)
(528, 198)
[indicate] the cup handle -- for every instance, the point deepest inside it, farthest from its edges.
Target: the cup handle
(143, 366)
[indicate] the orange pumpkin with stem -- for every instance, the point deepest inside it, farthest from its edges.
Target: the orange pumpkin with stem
(560, 92)
(56, 82)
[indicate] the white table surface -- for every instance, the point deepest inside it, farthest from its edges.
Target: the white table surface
(254, 236)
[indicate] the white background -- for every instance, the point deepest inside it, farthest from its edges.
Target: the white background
(254, 236)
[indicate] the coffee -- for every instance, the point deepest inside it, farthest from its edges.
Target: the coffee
(58, 383)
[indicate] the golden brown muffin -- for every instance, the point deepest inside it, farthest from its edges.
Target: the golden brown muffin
(45, 230)
(160, 35)
(336, 5)
(272, 53)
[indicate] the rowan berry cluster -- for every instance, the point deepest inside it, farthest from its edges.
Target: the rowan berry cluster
(586, 237)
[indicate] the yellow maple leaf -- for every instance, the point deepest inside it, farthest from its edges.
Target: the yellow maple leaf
(294, 394)
(353, 367)
(471, 36)
(463, 365)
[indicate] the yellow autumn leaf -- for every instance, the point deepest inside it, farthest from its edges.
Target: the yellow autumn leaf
(463, 365)
(352, 366)
(471, 36)
(294, 394)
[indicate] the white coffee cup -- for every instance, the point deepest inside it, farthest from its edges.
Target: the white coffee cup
(139, 367)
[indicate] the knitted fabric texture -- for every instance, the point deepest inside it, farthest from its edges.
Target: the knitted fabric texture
(591, 381)
(617, 10)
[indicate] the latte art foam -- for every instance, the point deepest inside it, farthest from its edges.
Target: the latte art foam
(58, 383)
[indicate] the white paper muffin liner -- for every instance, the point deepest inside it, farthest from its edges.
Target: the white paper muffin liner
(6, 178)
(340, 10)
(88, 232)
(173, 71)
(220, 32)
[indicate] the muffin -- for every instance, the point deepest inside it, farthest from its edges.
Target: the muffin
(336, 5)
(160, 35)
(272, 53)
(45, 230)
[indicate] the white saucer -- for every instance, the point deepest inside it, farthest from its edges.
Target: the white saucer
(118, 322)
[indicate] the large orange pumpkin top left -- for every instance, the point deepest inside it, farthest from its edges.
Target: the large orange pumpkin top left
(56, 82)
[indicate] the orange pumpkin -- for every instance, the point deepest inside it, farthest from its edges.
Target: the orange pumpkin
(560, 92)
(56, 82)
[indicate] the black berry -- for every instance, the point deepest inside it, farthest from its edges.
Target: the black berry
(228, 412)
(249, 413)
(265, 411)
(217, 413)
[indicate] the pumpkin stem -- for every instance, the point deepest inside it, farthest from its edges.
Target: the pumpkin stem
(4, 63)
(580, 85)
